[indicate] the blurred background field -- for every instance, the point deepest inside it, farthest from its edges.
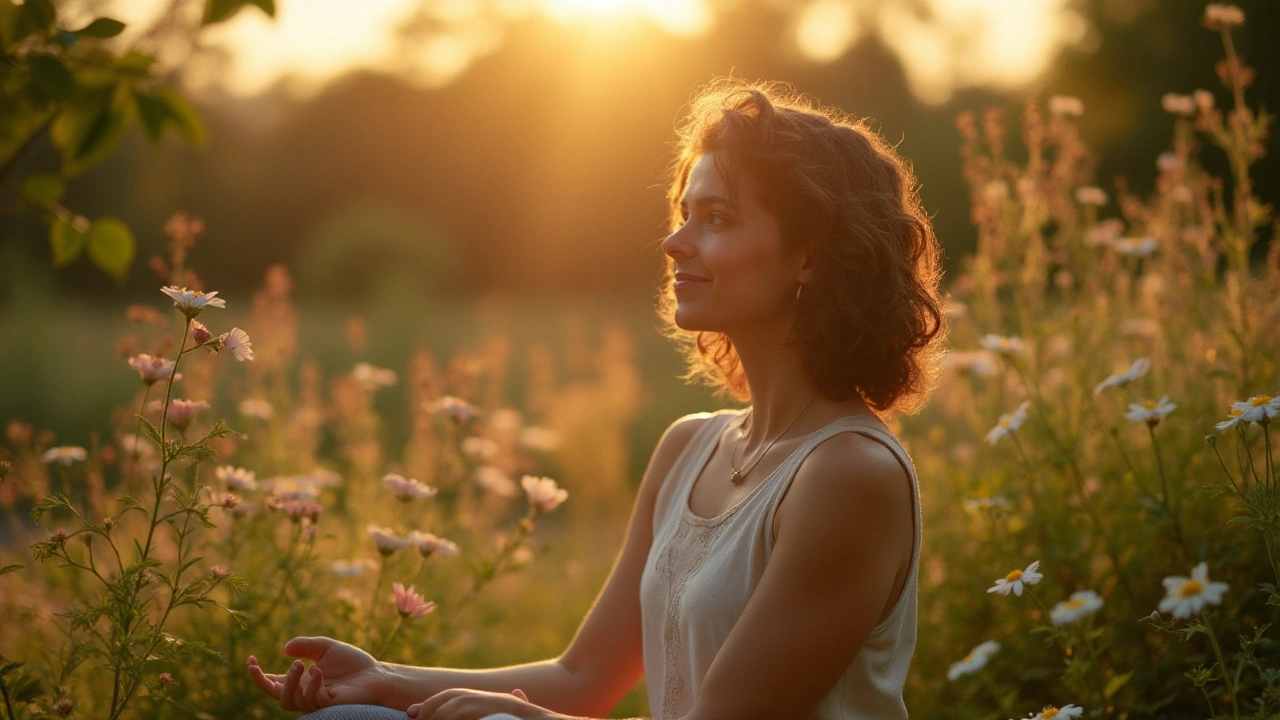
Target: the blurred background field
(483, 181)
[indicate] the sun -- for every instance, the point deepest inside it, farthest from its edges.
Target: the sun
(683, 17)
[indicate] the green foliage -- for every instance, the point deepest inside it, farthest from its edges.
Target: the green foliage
(85, 91)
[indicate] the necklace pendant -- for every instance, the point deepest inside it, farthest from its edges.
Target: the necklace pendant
(735, 478)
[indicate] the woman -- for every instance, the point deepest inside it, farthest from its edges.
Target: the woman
(769, 571)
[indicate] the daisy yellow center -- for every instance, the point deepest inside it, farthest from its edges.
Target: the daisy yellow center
(1049, 712)
(1149, 404)
(1004, 422)
(1015, 575)
(1235, 413)
(1191, 588)
(1073, 604)
(967, 658)
(1257, 400)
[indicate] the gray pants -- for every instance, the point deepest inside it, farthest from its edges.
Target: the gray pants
(374, 712)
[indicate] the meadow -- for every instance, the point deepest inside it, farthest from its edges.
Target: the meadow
(1098, 479)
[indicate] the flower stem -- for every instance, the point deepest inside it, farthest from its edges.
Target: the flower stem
(1222, 665)
(387, 644)
(1164, 500)
(373, 601)
(4, 692)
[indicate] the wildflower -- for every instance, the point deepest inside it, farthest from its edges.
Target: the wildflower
(1136, 370)
(237, 478)
(1081, 604)
(229, 501)
(219, 572)
(350, 568)
(65, 455)
(543, 493)
(1091, 196)
(1178, 104)
(372, 377)
(1006, 346)
(495, 481)
(1221, 16)
(1016, 579)
(479, 448)
(974, 661)
(1150, 411)
(1204, 100)
(152, 369)
(429, 544)
(296, 509)
(182, 412)
(1103, 232)
(539, 439)
(200, 333)
(1188, 596)
(1066, 105)
(980, 363)
(1168, 162)
(410, 604)
(165, 679)
(456, 409)
(407, 489)
(1233, 418)
(1134, 246)
(1053, 713)
(1008, 423)
(386, 540)
(238, 342)
(256, 408)
(995, 191)
(63, 707)
(192, 302)
(975, 505)
(58, 537)
(1258, 409)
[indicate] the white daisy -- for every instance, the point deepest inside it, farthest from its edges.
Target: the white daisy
(974, 661)
(65, 455)
(543, 492)
(1081, 604)
(1135, 371)
(1258, 409)
(495, 481)
(407, 489)
(387, 540)
(372, 377)
(238, 342)
(975, 505)
(429, 544)
(1016, 579)
(1150, 411)
(1188, 596)
(1134, 246)
(192, 302)
(1008, 423)
(351, 568)
(237, 478)
(1054, 713)
(1007, 346)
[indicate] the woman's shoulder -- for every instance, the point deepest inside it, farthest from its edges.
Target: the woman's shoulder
(677, 437)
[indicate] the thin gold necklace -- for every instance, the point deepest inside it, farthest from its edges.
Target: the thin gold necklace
(738, 476)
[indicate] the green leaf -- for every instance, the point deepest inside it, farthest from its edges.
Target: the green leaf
(135, 63)
(66, 240)
(10, 568)
(91, 127)
(150, 430)
(43, 188)
(111, 246)
(185, 119)
(51, 76)
(102, 28)
(215, 11)
(1115, 683)
(267, 6)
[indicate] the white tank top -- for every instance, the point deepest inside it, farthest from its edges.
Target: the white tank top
(701, 573)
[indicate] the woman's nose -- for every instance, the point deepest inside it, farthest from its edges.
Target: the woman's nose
(677, 245)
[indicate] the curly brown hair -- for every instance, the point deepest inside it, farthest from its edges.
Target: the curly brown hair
(870, 321)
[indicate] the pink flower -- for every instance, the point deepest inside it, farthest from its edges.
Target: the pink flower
(219, 572)
(237, 478)
(456, 409)
(386, 540)
(237, 341)
(1221, 16)
(230, 501)
(152, 369)
(63, 707)
(296, 509)
(182, 412)
(200, 333)
(407, 489)
(1178, 104)
(1066, 105)
(428, 544)
(493, 480)
(165, 679)
(543, 493)
(410, 604)
(372, 377)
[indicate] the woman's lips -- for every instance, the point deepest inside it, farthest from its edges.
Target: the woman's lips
(684, 281)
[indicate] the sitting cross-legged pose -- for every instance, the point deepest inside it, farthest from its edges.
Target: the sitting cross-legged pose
(769, 571)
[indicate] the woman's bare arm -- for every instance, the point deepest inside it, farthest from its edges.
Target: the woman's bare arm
(605, 658)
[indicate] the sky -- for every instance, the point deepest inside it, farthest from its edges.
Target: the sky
(945, 45)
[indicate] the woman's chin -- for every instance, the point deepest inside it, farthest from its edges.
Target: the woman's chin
(690, 321)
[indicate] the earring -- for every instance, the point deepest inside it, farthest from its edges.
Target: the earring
(798, 289)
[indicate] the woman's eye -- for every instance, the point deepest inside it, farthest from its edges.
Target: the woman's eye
(717, 219)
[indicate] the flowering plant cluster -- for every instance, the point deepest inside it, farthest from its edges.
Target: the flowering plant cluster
(1100, 341)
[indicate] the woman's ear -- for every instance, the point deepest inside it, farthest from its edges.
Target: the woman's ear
(806, 260)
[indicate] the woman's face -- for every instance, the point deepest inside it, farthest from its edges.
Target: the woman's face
(731, 269)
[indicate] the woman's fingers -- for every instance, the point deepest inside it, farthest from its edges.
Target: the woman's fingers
(290, 693)
(264, 682)
(520, 694)
(315, 689)
(311, 648)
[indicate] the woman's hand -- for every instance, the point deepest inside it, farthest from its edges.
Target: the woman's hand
(342, 674)
(460, 704)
